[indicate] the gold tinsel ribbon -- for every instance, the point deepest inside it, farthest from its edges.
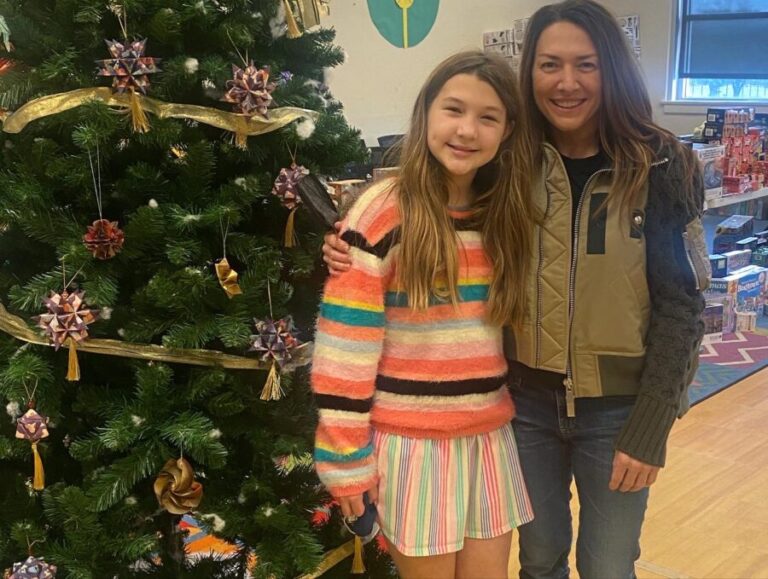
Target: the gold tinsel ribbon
(16, 327)
(331, 559)
(242, 125)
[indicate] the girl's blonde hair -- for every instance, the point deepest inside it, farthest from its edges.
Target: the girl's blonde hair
(428, 260)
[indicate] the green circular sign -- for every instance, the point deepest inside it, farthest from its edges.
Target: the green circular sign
(403, 23)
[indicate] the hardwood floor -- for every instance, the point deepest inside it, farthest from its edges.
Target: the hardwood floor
(708, 511)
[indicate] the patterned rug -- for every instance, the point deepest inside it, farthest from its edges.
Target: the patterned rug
(200, 544)
(724, 363)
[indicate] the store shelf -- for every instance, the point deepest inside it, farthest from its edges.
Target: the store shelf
(733, 199)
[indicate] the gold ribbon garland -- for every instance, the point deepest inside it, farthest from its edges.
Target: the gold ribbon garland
(241, 125)
(331, 559)
(16, 327)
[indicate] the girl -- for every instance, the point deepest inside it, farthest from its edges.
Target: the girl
(409, 371)
(609, 344)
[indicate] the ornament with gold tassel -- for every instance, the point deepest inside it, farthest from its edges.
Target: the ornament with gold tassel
(250, 91)
(285, 188)
(66, 323)
(129, 69)
(33, 427)
(274, 341)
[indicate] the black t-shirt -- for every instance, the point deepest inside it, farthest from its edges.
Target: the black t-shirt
(579, 171)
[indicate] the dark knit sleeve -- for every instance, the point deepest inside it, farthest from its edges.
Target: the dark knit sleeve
(676, 328)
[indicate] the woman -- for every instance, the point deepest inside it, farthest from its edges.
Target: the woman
(601, 370)
(601, 366)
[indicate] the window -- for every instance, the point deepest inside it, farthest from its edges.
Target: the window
(723, 50)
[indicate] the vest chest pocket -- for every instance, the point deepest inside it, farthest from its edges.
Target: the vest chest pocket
(697, 254)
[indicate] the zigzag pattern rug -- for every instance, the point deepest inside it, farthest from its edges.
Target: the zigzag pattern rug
(724, 363)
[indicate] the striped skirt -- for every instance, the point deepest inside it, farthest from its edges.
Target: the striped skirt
(435, 492)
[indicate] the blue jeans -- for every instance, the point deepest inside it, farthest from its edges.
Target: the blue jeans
(554, 449)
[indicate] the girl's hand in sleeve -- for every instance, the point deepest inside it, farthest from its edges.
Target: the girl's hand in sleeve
(354, 506)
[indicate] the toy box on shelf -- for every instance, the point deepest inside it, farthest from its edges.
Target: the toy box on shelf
(719, 317)
(747, 286)
(711, 158)
(713, 322)
(742, 134)
(731, 230)
(737, 259)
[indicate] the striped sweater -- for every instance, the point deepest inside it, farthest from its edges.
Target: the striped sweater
(438, 373)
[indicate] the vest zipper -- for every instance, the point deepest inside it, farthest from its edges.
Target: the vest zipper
(687, 246)
(570, 397)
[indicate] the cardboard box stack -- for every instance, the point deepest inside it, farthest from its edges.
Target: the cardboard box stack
(739, 287)
(742, 135)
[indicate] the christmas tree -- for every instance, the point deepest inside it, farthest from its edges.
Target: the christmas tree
(142, 250)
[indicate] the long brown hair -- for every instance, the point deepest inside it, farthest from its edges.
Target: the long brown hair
(428, 259)
(628, 135)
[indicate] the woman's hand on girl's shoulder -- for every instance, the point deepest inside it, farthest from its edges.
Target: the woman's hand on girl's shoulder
(336, 252)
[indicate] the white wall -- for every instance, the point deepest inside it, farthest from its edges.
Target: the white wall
(378, 82)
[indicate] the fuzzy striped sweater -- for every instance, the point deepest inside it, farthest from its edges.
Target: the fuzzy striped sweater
(438, 373)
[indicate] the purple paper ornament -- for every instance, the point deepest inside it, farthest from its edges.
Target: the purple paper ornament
(274, 340)
(33, 568)
(250, 90)
(68, 317)
(32, 426)
(286, 185)
(128, 66)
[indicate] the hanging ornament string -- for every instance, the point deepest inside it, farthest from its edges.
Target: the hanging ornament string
(224, 233)
(122, 19)
(237, 50)
(96, 179)
(64, 276)
(104, 239)
(226, 275)
(31, 396)
(269, 299)
(32, 544)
